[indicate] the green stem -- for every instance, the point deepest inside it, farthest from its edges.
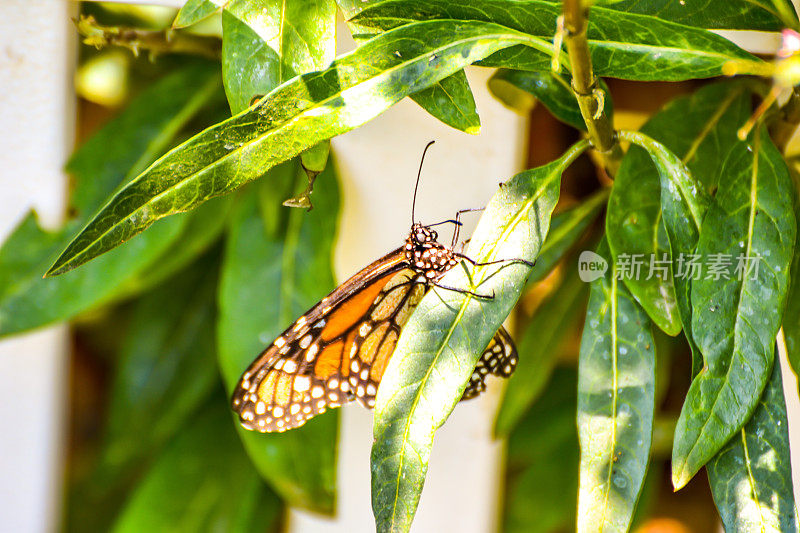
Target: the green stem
(584, 84)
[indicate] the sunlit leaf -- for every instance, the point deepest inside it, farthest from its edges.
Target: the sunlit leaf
(299, 114)
(267, 42)
(622, 45)
(441, 343)
(751, 477)
(616, 383)
(193, 11)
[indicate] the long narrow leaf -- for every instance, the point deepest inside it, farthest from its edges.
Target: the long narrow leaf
(451, 101)
(542, 464)
(267, 42)
(443, 339)
(622, 45)
(566, 229)
(701, 130)
(765, 15)
(202, 480)
(551, 89)
(297, 115)
(616, 384)
(746, 247)
(136, 136)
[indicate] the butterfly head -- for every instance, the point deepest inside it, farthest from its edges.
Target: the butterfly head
(425, 254)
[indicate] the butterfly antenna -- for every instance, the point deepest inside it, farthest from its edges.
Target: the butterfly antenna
(416, 185)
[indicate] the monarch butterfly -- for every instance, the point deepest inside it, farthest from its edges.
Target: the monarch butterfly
(339, 349)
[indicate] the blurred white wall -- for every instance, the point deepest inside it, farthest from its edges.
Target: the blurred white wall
(37, 120)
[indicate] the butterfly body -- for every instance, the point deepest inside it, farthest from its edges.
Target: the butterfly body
(338, 350)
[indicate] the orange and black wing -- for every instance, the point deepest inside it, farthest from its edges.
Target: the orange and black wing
(339, 350)
(332, 354)
(499, 359)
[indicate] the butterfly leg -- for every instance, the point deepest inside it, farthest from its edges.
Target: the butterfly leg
(498, 261)
(458, 223)
(464, 291)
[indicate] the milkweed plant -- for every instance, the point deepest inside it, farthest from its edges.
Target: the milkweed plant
(680, 265)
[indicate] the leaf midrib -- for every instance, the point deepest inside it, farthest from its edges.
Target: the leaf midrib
(614, 397)
(751, 479)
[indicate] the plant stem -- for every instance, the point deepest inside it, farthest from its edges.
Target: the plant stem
(155, 42)
(584, 83)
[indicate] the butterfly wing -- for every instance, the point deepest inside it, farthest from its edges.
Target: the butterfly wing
(339, 350)
(499, 359)
(301, 373)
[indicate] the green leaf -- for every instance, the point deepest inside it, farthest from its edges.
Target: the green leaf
(637, 236)
(297, 115)
(277, 265)
(767, 15)
(751, 477)
(616, 383)
(249, 66)
(298, 37)
(193, 11)
(684, 203)
(267, 42)
(542, 468)
(315, 159)
(138, 135)
(539, 348)
(701, 130)
(25, 250)
(622, 45)
(40, 301)
(135, 137)
(734, 321)
(302, 32)
(551, 89)
(202, 481)
(167, 365)
(566, 229)
(451, 101)
(440, 345)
